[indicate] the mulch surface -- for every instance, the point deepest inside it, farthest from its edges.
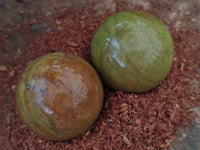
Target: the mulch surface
(127, 120)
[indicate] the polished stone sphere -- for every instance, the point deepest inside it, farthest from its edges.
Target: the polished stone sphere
(132, 51)
(59, 96)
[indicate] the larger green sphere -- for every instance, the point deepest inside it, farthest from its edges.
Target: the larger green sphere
(132, 51)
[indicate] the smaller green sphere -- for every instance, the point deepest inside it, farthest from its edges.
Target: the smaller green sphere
(59, 96)
(132, 51)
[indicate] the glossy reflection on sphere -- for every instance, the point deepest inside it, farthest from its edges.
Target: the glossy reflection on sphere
(132, 51)
(59, 96)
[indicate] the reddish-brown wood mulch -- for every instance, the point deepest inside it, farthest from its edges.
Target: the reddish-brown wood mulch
(127, 120)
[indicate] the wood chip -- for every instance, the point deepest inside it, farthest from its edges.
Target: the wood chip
(182, 66)
(11, 73)
(3, 68)
(126, 140)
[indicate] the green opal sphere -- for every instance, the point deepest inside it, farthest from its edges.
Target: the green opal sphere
(132, 51)
(59, 96)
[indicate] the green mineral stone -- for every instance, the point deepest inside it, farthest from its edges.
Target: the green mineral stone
(132, 51)
(59, 96)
